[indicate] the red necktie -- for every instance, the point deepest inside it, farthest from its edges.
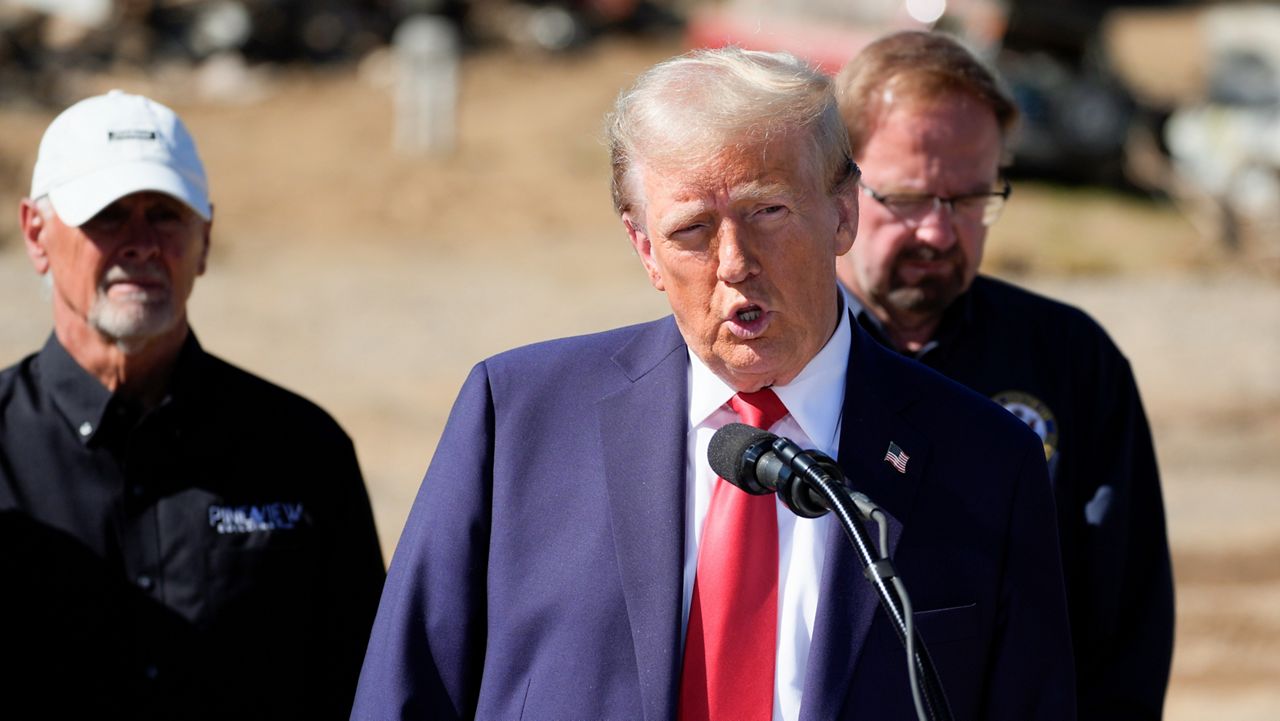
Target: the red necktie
(731, 644)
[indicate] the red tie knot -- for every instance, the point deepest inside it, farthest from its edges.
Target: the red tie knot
(761, 408)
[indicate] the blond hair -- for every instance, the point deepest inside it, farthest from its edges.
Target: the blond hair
(689, 108)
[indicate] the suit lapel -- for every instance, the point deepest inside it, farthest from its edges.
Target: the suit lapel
(875, 394)
(643, 428)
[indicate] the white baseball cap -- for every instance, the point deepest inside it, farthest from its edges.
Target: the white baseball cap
(108, 146)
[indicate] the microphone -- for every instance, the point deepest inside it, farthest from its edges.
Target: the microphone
(760, 463)
(810, 484)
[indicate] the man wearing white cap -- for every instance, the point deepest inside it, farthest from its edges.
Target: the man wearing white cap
(181, 539)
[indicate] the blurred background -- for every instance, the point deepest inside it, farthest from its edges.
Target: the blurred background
(403, 187)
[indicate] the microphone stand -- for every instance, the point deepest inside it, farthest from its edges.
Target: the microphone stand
(825, 477)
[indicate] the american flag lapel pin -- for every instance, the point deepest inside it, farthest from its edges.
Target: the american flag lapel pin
(897, 457)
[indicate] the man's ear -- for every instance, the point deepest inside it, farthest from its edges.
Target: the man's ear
(33, 227)
(644, 249)
(846, 199)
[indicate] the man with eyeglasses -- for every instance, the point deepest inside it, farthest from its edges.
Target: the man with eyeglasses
(928, 124)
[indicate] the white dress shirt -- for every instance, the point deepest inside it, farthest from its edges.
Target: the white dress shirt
(814, 401)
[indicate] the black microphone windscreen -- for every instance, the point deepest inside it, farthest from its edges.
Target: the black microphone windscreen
(728, 446)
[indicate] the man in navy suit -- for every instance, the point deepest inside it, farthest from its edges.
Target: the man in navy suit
(570, 553)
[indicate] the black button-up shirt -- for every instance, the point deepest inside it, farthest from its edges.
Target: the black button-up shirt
(213, 557)
(1056, 368)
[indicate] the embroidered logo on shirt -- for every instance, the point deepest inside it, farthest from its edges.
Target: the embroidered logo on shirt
(252, 519)
(1035, 414)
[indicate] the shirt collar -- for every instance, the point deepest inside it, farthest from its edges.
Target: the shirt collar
(814, 398)
(79, 396)
(84, 402)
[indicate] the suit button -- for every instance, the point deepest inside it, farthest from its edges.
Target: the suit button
(146, 583)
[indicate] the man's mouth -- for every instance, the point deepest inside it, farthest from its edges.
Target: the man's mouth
(140, 278)
(138, 288)
(929, 254)
(748, 322)
(920, 263)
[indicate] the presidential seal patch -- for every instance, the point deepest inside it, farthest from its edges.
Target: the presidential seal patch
(1036, 415)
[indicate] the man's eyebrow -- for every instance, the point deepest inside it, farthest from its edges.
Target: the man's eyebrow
(681, 214)
(759, 189)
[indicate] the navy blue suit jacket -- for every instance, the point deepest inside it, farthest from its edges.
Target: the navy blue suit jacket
(539, 575)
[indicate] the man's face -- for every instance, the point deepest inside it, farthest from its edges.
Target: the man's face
(908, 270)
(744, 247)
(126, 272)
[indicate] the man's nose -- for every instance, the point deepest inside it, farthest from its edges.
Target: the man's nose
(139, 238)
(938, 227)
(736, 261)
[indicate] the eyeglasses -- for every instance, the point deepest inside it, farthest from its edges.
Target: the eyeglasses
(913, 208)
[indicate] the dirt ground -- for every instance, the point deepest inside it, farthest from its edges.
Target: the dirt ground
(372, 282)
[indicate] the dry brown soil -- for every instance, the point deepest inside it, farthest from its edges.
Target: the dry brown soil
(372, 282)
